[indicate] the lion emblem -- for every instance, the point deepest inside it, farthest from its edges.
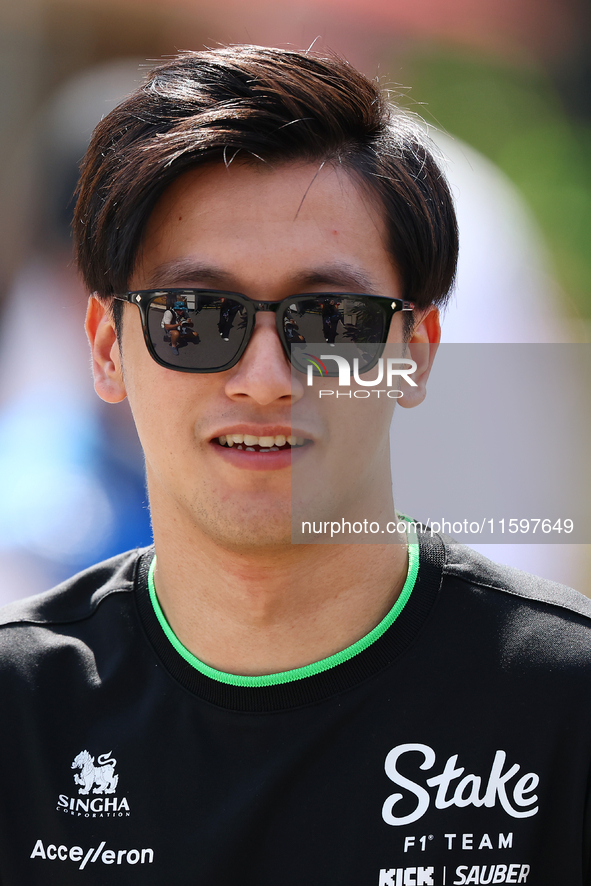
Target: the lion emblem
(103, 775)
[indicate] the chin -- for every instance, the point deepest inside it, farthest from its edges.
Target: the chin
(248, 538)
(246, 526)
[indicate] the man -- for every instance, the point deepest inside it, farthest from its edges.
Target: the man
(176, 324)
(228, 311)
(231, 707)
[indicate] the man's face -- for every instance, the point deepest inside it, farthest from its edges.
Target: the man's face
(267, 233)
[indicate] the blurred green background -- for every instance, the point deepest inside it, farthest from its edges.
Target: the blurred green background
(532, 121)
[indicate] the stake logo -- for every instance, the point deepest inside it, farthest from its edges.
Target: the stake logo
(452, 788)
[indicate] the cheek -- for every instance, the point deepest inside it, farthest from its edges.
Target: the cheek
(155, 398)
(357, 426)
(169, 408)
(156, 415)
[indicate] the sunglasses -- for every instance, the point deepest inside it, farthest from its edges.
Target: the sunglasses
(205, 330)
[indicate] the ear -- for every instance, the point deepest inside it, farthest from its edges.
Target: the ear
(423, 346)
(106, 358)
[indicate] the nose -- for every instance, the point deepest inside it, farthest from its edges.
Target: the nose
(263, 374)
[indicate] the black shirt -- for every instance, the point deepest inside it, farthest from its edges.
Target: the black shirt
(453, 749)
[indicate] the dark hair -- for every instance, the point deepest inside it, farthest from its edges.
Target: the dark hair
(261, 105)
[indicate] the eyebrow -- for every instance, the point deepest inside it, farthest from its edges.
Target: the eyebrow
(177, 271)
(337, 274)
(342, 274)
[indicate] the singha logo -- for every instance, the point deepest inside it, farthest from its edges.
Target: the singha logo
(103, 775)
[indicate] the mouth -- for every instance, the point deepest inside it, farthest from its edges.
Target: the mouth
(252, 443)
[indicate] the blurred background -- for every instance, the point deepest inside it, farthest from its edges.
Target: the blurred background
(504, 87)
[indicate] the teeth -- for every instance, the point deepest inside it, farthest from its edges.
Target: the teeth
(266, 443)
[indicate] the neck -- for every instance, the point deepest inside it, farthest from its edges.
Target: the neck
(272, 610)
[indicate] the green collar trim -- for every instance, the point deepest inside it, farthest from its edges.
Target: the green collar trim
(310, 670)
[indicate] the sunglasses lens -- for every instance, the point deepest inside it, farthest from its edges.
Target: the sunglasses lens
(312, 325)
(196, 330)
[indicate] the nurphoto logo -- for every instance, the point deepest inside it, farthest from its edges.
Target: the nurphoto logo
(388, 370)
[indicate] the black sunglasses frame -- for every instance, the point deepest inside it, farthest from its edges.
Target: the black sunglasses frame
(143, 297)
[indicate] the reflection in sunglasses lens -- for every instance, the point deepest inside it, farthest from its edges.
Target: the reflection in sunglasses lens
(204, 332)
(329, 321)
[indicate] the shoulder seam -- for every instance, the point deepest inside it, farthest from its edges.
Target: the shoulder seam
(553, 603)
(28, 621)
